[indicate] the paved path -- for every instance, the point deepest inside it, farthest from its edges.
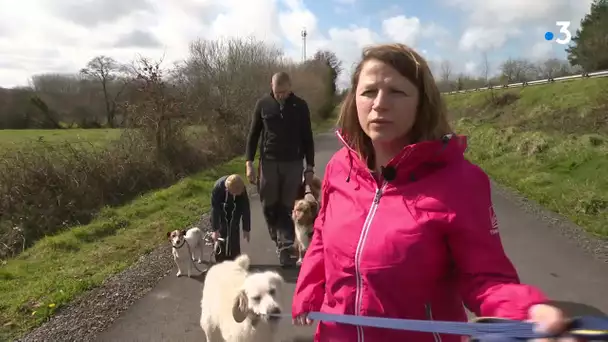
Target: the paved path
(170, 312)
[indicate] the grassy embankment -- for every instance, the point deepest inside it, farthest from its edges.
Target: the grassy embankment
(548, 142)
(58, 268)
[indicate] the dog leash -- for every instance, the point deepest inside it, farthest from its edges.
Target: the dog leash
(483, 329)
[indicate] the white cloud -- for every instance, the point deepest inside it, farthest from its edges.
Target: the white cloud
(483, 38)
(471, 68)
(402, 29)
(39, 36)
(492, 22)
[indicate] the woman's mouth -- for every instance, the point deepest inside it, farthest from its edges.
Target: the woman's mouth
(379, 121)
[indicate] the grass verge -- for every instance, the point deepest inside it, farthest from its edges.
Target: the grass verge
(58, 268)
(549, 143)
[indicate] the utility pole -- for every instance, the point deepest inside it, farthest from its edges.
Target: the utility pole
(304, 34)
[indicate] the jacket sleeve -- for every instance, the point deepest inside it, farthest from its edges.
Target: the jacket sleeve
(216, 204)
(246, 210)
(254, 132)
(310, 287)
(488, 282)
(308, 143)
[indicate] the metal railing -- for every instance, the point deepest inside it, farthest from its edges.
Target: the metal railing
(603, 73)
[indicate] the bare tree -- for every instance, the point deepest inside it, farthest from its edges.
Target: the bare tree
(554, 67)
(485, 68)
(446, 70)
(108, 73)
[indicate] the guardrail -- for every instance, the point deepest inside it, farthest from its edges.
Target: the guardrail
(603, 73)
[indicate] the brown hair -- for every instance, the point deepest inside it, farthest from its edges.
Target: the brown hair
(431, 117)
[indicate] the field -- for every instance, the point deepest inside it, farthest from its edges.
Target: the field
(549, 143)
(14, 139)
(70, 261)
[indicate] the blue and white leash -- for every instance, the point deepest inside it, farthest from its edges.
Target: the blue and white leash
(482, 329)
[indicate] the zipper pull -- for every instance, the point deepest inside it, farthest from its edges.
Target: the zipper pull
(378, 195)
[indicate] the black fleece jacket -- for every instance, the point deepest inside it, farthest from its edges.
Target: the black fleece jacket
(286, 131)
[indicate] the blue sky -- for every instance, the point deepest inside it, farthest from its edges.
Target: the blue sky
(503, 29)
(60, 36)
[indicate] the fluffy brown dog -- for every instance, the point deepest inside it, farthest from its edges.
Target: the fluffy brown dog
(304, 214)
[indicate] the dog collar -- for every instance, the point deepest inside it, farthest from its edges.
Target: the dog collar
(180, 246)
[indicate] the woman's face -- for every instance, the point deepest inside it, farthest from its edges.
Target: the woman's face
(386, 103)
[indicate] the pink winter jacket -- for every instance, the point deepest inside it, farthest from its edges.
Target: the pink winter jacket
(415, 247)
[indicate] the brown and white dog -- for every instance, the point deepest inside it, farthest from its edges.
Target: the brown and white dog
(304, 214)
(187, 248)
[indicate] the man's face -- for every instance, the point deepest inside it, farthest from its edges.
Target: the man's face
(281, 91)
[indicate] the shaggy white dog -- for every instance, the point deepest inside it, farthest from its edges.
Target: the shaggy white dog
(187, 248)
(237, 305)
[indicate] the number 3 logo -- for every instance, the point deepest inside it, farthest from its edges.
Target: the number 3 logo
(563, 28)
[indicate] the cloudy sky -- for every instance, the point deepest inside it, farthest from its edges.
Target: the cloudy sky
(60, 36)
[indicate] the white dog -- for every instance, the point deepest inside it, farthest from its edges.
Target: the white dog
(238, 306)
(187, 248)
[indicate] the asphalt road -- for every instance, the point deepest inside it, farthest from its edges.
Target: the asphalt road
(577, 281)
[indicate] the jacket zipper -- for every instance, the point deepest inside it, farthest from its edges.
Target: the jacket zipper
(362, 238)
(429, 316)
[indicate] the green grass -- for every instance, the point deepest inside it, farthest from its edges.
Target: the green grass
(16, 138)
(58, 268)
(549, 145)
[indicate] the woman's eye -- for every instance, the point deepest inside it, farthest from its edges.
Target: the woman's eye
(368, 92)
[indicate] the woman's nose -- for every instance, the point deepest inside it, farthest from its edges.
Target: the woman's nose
(381, 100)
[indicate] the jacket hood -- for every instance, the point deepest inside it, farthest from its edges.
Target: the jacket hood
(412, 158)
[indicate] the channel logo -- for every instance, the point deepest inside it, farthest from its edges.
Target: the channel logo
(563, 29)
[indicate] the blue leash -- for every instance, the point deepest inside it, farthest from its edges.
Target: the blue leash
(481, 330)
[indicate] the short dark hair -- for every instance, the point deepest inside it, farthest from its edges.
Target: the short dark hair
(281, 78)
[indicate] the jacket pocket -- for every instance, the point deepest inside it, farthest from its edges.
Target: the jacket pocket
(429, 316)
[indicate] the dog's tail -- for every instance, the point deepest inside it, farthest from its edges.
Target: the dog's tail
(243, 261)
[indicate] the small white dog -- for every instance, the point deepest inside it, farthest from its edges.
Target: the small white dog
(238, 306)
(187, 248)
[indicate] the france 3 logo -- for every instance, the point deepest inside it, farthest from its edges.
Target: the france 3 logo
(564, 30)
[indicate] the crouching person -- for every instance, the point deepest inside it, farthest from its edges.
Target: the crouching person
(229, 206)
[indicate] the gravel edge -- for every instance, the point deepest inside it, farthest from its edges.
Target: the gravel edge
(96, 310)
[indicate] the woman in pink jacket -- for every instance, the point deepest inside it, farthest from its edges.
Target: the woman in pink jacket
(406, 227)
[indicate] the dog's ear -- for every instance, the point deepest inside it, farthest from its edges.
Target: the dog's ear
(315, 207)
(275, 279)
(168, 235)
(183, 232)
(240, 307)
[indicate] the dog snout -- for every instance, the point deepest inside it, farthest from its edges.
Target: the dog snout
(275, 311)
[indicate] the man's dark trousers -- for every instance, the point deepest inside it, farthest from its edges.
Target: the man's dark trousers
(278, 188)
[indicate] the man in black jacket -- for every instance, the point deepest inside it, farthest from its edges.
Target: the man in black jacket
(283, 121)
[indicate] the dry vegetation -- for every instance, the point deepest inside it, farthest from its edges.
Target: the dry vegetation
(46, 187)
